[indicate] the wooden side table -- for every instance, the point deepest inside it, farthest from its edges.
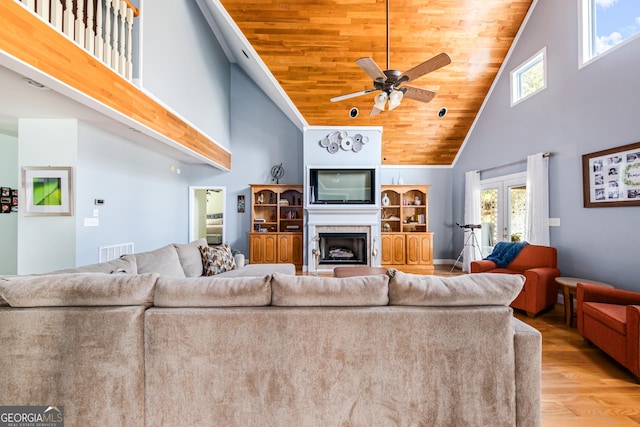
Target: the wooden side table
(569, 288)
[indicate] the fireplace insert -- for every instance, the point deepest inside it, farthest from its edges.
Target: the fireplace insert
(343, 248)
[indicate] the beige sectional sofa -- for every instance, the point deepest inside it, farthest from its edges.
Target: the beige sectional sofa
(271, 350)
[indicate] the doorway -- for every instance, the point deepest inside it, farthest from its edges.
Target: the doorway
(502, 210)
(207, 214)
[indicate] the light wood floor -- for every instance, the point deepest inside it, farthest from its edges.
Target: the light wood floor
(581, 385)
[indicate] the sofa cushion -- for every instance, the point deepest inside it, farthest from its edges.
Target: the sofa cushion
(164, 261)
(470, 289)
(213, 291)
(216, 259)
(260, 270)
(190, 258)
(329, 291)
(119, 265)
(78, 289)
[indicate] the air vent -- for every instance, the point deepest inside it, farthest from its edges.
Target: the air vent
(107, 253)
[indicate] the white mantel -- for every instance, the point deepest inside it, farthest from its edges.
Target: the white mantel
(346, 219)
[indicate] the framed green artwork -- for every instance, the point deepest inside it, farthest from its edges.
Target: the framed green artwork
(47, 191)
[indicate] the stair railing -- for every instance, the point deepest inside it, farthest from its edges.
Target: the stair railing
(104, 28)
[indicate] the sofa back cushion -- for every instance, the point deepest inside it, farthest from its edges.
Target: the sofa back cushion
(213, 291)
(78, 289)
(470, 289)
(329, 291)
(164, 261)
(118, 265)
(534, 256)
(190, 258)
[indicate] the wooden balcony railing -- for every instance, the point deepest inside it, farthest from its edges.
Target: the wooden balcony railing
(102, 27)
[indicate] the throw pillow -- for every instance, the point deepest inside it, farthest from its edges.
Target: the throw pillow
(216, 259)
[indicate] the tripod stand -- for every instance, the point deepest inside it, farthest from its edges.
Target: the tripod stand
(472, 241)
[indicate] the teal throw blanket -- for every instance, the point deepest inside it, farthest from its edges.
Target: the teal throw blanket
(505, 252)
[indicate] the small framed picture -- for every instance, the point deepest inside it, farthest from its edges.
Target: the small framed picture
(47, 191)
(240, 204)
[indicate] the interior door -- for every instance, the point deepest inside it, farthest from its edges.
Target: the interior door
(207, 214)
(503, 206)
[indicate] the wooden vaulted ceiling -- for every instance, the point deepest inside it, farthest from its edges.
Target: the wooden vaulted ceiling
(310, 47)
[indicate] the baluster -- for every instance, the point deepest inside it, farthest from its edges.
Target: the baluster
(67, 22)
(31, 4)
(43, 9)
(114, 52)
(90, 35)
(121, 49)
(107, 33)
(56, 14)
(80, 29)
(129, 72)
(99, 39)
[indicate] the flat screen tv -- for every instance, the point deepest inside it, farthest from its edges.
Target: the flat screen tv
(342, 186)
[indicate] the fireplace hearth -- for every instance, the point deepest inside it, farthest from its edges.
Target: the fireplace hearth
(343, 248)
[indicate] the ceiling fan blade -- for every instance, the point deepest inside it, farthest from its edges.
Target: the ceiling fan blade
(370, 67)
(418, 94)
(375, 111)
(352, 95)
(427, 66)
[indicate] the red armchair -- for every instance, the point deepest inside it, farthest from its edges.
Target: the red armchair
(610, 319)
(538, 264)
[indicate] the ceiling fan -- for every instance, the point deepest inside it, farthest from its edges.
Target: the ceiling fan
(390, 83)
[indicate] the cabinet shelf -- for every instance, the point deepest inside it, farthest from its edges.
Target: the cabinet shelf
(407, 243)
(277, 239)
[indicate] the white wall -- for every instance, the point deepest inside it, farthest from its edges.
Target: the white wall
(580, 111)
(8, 222)
(46, 243)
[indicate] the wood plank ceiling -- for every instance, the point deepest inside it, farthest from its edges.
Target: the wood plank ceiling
(310, 46)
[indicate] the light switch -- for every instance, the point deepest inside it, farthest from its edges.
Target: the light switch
(96, 213)
(91, 222)
(554, 222)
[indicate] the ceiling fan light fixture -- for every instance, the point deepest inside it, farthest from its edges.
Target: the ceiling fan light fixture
(380, 100)
(395, 98)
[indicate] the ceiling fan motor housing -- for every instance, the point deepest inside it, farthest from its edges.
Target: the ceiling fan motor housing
(389, 84)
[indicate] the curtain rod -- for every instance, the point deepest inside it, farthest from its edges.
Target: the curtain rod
(546, 154)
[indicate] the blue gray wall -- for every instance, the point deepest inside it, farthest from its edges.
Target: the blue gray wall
(145, 202)
(183, 66)
(580, 111)
(262, 136)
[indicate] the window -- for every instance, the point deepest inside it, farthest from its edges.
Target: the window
(607, 24)
(529, 78)
(502, 210)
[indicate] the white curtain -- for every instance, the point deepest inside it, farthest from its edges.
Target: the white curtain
(471, 251)
(536, 226)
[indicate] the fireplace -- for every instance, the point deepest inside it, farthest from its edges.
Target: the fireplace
(343, 248)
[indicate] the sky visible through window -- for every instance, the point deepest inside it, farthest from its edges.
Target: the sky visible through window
(616, 21)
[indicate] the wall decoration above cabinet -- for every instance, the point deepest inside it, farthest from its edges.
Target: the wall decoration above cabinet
(336, 140)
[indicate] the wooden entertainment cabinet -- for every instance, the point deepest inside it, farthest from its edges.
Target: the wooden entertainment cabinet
(407, 243)
(277, 220)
